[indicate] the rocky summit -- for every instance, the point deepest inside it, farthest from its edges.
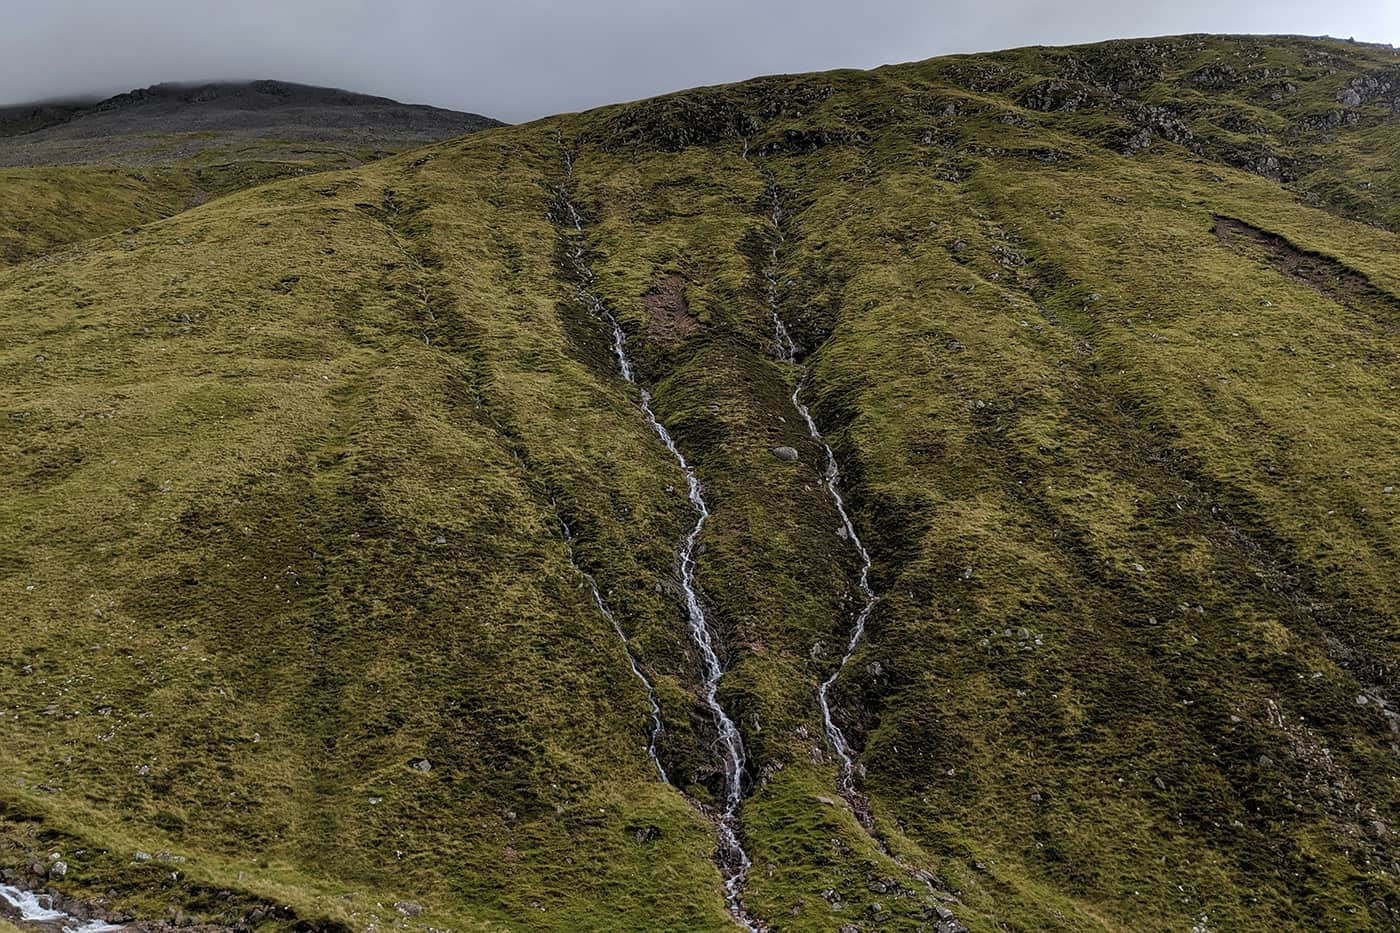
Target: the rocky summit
(955, 496)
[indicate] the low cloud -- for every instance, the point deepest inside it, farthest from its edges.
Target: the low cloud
(528, 58)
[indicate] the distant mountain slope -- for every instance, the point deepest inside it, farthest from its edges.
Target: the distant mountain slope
(150, 125)
(347, 573)
(71, 170)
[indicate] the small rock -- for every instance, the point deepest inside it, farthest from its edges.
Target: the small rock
(408, 908)
(785, 453)
(142, 856)
(421, 764)
(58, 870)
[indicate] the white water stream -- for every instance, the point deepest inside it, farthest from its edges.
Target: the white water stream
(734, 861)
(626, 647)
(39, 909)
(787, 351)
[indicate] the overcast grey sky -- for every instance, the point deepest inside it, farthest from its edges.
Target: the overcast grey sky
(520, 59)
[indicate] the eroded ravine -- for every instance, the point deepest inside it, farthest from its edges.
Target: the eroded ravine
(733, 860)
(787, 351)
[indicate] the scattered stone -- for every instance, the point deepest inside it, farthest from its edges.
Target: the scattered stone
(785, 453)
(421, 764)
(142, 856)
(58, 870)
(408, 908)
(1138, 142)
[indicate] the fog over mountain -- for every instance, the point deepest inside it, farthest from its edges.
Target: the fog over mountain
(518, 61)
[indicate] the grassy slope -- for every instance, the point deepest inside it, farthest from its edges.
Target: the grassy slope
(48, 207)
(1124, 485)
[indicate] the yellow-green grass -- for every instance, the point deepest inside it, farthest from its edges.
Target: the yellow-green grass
(288, 470)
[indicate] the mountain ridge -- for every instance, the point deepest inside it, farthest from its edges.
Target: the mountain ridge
(260, 94)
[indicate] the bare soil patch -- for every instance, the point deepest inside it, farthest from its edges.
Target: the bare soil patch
(668, 316)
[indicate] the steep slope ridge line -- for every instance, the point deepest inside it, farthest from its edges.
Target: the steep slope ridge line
(607, 614)
(787, 352)
(734, 861)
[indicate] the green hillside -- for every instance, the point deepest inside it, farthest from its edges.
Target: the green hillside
(78, 170)
(1102, 340)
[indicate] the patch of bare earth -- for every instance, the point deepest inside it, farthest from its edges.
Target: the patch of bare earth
(1335, 280)
(668, 316)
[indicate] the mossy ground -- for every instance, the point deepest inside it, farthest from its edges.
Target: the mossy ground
(47, 207)
(287, 470)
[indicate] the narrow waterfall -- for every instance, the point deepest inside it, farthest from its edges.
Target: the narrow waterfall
(734, 861)
(787, 351)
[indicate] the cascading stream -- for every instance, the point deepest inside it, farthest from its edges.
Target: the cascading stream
(734, 861)
(38, 909)
(787, 351)
(603, 609)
